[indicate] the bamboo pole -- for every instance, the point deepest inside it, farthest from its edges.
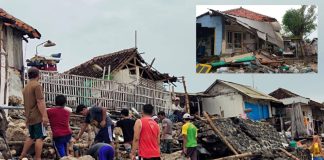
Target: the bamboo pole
(222, 137)
(243, 155)
(288, 154)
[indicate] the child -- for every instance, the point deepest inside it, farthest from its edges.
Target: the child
(59, 122)
(316, 148)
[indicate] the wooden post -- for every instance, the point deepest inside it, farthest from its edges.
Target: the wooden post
(186, 95)
(243, 155)
(222, 137)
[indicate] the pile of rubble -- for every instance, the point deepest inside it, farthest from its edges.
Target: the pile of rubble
(259, 139)
(16, 132)
(260, 62)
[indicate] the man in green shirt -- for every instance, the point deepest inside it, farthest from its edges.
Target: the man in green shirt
(189, 133)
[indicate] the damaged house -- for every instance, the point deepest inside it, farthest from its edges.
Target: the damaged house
(233, 100)
(12, 33)
(312, 111)
(236, 31)
(117, 80)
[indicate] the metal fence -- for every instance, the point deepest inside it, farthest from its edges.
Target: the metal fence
(106, 93)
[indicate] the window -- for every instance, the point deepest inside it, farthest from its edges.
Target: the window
(234, 40)
(237, 40)
(229, 43)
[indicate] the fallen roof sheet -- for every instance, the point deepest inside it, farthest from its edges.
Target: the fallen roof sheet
(265, 30)
(13, 22)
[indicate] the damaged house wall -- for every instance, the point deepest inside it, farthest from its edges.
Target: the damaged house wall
(12, 32)
(216, 23)
(11, 64)
(310, 109)
(238, 39)
(227, 102)
(231, 100)
(238, 31)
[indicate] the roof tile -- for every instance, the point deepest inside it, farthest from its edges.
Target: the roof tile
(244, 13)
(19, 25)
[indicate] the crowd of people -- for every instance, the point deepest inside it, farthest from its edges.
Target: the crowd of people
(145, 138)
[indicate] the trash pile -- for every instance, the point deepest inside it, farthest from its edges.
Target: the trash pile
(256, 62)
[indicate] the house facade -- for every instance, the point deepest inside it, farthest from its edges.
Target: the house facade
(236, 31)
(12, 33)
(232, 100)
(312, 111)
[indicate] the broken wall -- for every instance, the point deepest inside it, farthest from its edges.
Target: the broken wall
(249, 41)
(215, 22)
(229, 105)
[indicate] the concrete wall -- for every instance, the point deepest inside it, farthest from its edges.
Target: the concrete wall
(11, 62)
(215, 22)
(227, 100)
(14, 48)
(247, 39)
(230, 105)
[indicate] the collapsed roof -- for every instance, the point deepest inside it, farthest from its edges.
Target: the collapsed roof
(117, 61)
(282, 93)
(11, 21)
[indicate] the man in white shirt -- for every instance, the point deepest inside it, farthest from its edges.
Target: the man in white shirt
(176, 105)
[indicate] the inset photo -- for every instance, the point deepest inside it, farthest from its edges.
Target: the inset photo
(256, 39)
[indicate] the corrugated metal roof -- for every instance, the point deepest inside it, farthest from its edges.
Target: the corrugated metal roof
(264, 28)
(246, 90)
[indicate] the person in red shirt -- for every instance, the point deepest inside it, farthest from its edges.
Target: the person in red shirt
(146, 136)
(59, 122)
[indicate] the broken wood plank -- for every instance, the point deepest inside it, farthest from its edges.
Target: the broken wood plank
(243, 155)
(288, 154)
(216, 130)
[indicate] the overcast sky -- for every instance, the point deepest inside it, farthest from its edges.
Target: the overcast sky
(83, 29)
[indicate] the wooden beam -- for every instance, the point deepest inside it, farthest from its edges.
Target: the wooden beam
(216, 131)
(243, 155)
(186, 95)
(288, 154)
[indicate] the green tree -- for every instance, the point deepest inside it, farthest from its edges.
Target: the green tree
(299, 23)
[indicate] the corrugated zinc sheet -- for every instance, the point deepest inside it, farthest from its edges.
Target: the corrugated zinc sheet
(250, 92)
(264, 28)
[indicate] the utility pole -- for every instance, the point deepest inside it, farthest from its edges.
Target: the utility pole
(135, 39)
(186, 95)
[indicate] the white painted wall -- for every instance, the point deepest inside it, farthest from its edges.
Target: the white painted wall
(124, 76)
(231, 105)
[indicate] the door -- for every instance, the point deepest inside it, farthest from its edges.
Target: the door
(259, 111)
